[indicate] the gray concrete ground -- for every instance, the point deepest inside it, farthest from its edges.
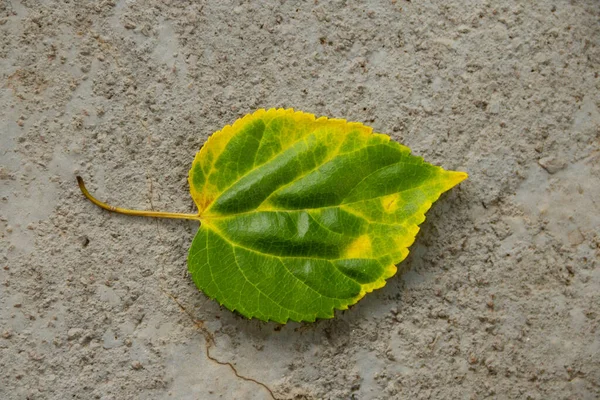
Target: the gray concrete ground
(500, 296)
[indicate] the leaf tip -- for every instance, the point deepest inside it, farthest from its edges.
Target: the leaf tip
(456, 177)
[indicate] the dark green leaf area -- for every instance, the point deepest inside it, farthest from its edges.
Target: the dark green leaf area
(254, 188)
(331, 183)
(321, 234)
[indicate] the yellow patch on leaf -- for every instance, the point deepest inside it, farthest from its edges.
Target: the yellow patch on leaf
(359, 248)
(390, 202)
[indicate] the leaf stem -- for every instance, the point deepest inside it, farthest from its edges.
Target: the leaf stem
(140, 213)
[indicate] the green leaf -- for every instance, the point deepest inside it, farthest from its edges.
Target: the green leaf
(302, 216)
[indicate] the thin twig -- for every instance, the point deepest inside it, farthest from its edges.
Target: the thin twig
(210, 341)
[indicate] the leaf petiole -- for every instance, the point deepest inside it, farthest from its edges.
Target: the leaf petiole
(139, 213)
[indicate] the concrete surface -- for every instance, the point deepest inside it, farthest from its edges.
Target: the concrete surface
(501, 294)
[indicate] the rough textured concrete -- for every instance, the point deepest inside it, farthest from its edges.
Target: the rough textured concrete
(501, 294)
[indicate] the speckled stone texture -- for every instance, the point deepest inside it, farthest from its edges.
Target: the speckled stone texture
(499, 297)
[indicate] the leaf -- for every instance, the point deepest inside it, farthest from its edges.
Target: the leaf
(302, 216)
